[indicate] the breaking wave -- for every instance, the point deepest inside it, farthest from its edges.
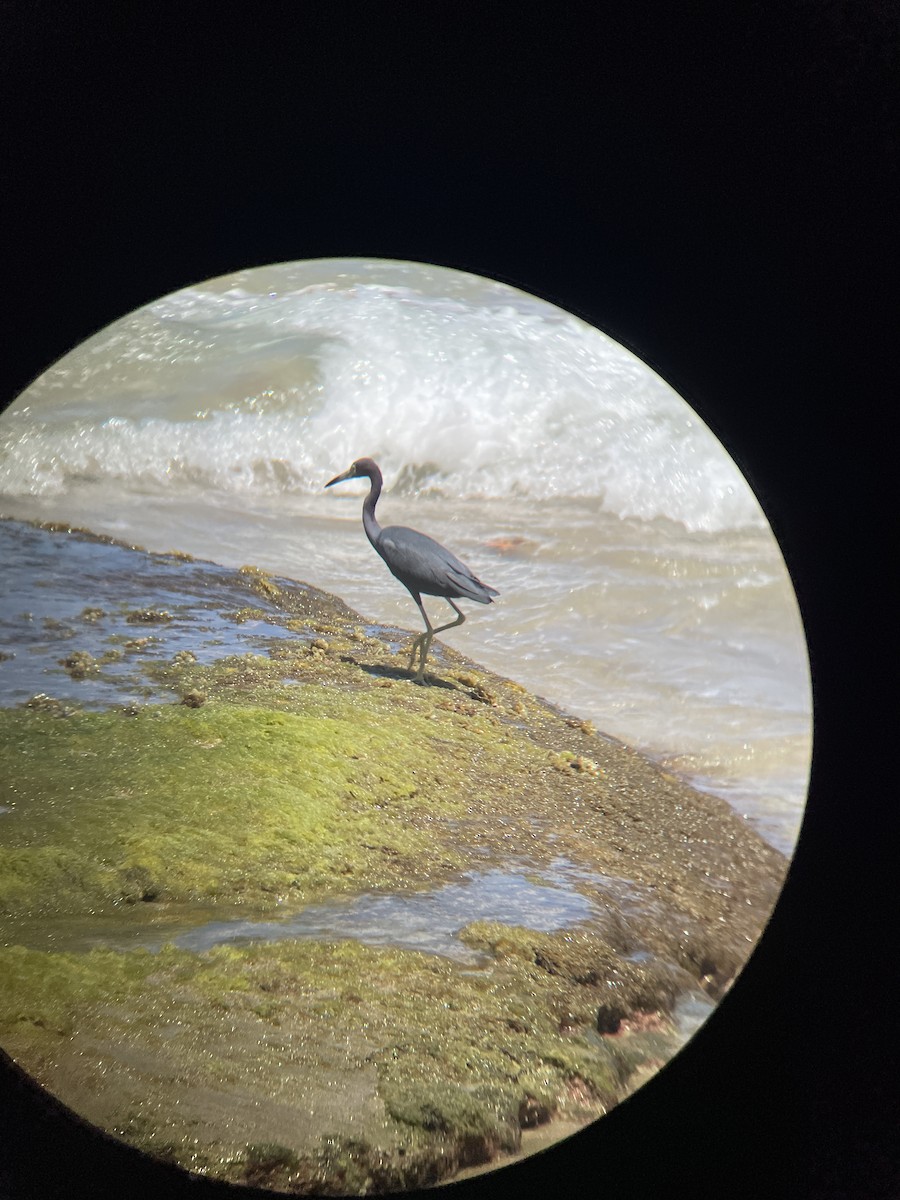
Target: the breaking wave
(237, 388)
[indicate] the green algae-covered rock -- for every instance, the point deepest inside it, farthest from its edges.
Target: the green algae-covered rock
(223, 802)
(258, 783)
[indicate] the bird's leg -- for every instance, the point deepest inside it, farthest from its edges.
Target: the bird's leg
(423, 641)
(460, 617)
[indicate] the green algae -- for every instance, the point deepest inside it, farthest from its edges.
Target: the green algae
(148, 616)
(404, 1067)
(220, 798)
(222, 801)
(41, 702)
(441, 1068)
(51, 992)
(261, 581)
(614, 987)
(316, 769)
(80, 664)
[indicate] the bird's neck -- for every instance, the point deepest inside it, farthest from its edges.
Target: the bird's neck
(371, 526)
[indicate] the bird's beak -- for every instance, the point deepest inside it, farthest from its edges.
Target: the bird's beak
(348, 474)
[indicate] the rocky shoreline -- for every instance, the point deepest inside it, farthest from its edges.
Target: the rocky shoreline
(313, 769)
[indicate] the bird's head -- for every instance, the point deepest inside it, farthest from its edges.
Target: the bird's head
(362, 468)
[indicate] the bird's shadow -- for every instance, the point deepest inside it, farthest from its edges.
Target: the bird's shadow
(404, 674)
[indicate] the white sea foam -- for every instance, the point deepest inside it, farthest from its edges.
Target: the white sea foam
(242, 391)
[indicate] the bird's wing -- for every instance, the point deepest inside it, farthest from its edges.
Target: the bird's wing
(425, 565)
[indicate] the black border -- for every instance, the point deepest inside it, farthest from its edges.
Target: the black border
(711, 186)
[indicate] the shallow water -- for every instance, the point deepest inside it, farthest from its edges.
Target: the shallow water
(640, 585)
(518, 893)
(426, 921)
(62, 594)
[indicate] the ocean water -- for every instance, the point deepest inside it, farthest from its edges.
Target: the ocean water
(641, 587)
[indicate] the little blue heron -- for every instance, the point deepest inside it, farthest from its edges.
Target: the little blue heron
(418, 561)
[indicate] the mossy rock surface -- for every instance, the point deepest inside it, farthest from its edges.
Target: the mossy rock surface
(223, 802)
(213, 1056)
(309, 770)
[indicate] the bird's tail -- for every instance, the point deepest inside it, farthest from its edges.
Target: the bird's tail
(474, 589)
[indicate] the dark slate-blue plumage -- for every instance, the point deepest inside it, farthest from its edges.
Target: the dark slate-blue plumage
(418, 561)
